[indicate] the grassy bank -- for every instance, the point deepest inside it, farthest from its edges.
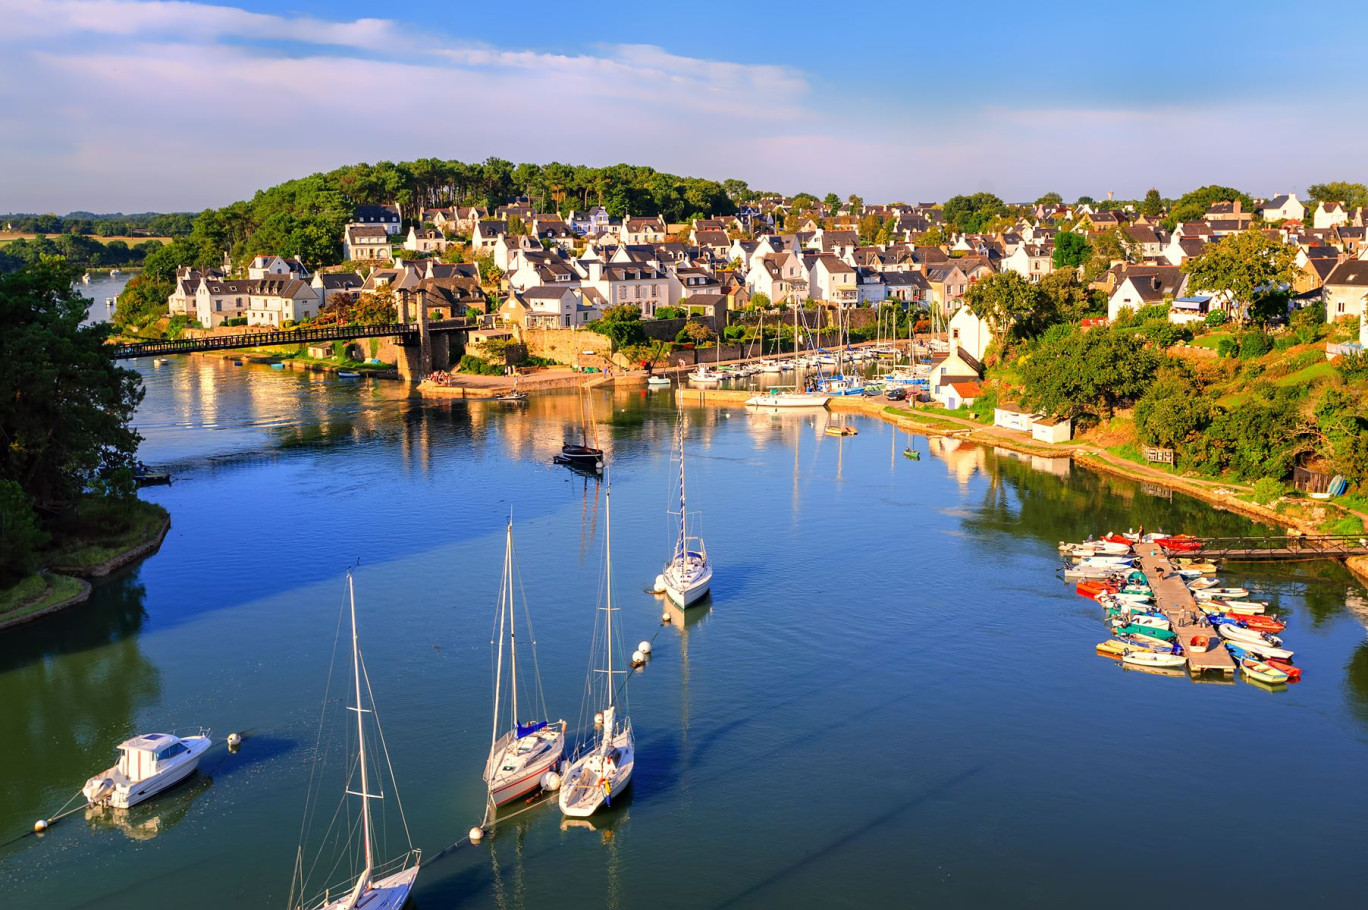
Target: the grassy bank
(38, 594)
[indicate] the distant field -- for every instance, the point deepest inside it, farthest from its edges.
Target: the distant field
(11, 236)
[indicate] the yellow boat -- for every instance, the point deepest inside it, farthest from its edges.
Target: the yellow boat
(841, 431)
(1112, 648)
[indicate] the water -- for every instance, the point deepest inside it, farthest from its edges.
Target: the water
(102, 288)
(889, 699)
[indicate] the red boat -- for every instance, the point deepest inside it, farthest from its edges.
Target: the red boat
(1199, 643)
(1293, 673)
(1181, 543)
(1094, 588)
(1117, 538)
(1258, 622)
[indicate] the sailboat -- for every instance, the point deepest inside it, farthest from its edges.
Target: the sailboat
(688, 574)
(519, 753)
(782, 398)
(382, 887)
(603, 767)
(583, 455)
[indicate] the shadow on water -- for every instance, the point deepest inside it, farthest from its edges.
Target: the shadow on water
(154, 817)
(113, 612)
(1356, 683)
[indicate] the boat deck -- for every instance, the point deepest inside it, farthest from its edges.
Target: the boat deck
(1175, 601)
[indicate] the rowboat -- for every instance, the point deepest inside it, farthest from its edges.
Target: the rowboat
(1207, 593)
(841, 431)
(1112, 648)
(1205, 566)
(1115, 562)
(1154, 660)
(1258, 623)
(1239, 634)
(1150, 644)
(1264, 673)
(1277, 663)
(658, 380)
(1180, 543)
(1199, 643)
(1150, 622)
(1234, 606)
(1136, 629)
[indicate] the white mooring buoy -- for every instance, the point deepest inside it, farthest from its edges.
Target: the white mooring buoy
(234, 740)
(550, 781)
(659, 584)
(40, 826)
(638, 658)
(476, 834)
(598, 719)
(645, 648)
(665, 617)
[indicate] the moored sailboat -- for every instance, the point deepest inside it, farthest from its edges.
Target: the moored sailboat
(603, 767)
(519, 753)
(688, 574)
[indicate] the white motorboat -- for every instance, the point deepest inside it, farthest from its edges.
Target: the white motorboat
(688, 574)
(658, 380)
(1264, 649)
(770, 367)
(603, 766)
(707, 376)
(148, 764)
(376, 887)
(1154, 659)
(1238, 635)
(1209, 592)
(1114, 562)
(519, 753)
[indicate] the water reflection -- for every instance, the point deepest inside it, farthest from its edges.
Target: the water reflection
(75, 682)
(152, 818)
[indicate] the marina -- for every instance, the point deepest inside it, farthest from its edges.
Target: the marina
(742, 694)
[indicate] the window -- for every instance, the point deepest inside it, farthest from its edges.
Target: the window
(218, 305)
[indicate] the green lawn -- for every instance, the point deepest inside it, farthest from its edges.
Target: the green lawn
(36, 593)
(86, 547)
(1210, 340)
(1307, 375)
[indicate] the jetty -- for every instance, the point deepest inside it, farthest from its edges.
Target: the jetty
(1175, 601)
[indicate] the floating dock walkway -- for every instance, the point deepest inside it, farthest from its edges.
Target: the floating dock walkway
(1175, 601)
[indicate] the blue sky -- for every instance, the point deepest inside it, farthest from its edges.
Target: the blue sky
(134, 105)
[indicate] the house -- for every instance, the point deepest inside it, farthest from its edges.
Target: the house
(1345, 289)
(833, 280)
(957, 394)
(837, 243)
(1146, 240)
(779, 276)
(590, 221)
(908, 287)
(969, 332)
(550, 230)
(947, 284)
(449, 296)
(870, 287)
(426, 240)
(690, 282)
(1283, 208)
(543, 308)
(1142, 285)
(1180, 249)
(384, 216)
(507, 247)
(1329, 215)
(1193, 308)
(275, 267)
(326, 284)
(714, 305)
(530, 268)
(1031, 261)
(366, 243)
(643, 230)
(1052, 429)
(486, 234)
(1011, 416)
(1228, 217)
(611, 284)
(1313, 270)
(262, 301)
(956, 366)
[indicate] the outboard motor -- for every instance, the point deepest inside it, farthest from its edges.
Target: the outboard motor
(97, 789)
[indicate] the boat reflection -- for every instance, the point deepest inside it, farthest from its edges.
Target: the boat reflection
(146, 821)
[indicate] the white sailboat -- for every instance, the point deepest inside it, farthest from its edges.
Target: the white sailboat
(688, 574)
(519, 753)
(798, 398)
(377, 887)
(603, 768)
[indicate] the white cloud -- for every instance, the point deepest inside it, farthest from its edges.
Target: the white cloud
(178, 105)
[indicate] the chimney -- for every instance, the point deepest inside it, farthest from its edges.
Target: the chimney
(1235, 207)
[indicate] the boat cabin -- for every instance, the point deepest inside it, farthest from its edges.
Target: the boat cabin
(143, 756)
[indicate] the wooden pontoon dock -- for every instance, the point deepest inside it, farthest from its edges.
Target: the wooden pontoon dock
(1175, 601)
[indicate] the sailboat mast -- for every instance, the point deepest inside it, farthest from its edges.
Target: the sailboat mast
(608, 570)
(512, 626)
(683, 547)
(498, 667)
(361, 736)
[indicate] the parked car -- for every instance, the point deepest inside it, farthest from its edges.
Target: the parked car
(896, 394)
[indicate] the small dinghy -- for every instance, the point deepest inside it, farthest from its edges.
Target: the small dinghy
(149, 764)
(1154, 660)
(1277, 663)
(658, 380)
(1238, 634)
(1257, 649)
(841, 431)
(1163, 635)
(1112, 648)
(348, 374)
(1149, 644)
(1199, 644)
(1264, 673)
(1150, 622)
(1114, 562)
(1210, 593)
(1258, 623)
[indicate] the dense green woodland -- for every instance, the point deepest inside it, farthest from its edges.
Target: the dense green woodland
(66, 440)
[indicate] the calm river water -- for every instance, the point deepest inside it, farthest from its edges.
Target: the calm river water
(889, 700)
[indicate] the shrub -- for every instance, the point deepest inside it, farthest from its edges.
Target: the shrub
(1267, 489)
(20, 536)
(1350, 366)
(1254, 343)
(472, 364)
(1216, 318)
(1227, 347)
(668, 312)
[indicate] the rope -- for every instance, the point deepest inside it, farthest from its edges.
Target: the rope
(536, 802)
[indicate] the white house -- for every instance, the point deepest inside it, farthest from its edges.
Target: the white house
(1345, 290)
(384, 216)
(969, 332)
(1012, 417)
(275, 267)
(1031, 261)
(276, 301)
(779, 276)
(1143, 285)
(1052, 429)
(543, 308)
(326, 284)
(610, 284)
(366, 243)
(643, 230)
(832, 279)
(1328, 215)
(426, 240)
(1283, 208)
(486, 233)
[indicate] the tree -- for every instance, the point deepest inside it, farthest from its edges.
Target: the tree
(1064, 296)
(65, 415)
(1352, 195)
(933, 236)
(695, 332)
(1004, 300)
(969, 214)
(1050, 199)
(1086, 200)
(621, 323)
(375, 307)
(1071, 250)
(1153, 205)
(1075, 372)
(760, 300)
(831, 202)
(20, 536)
(1244, 266)
(804, 201)
(1172, 412)
(1192, 206)
(856, 204)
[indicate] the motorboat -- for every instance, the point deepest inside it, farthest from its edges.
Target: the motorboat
(1154, 660)
(707, 376)
(657, 380)
(148, 764)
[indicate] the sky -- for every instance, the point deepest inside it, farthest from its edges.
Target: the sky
(131, 105)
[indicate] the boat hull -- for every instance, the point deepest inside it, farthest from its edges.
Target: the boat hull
(790, 400)
(388, 893)
(582, 793)
(686, 595)
(525, 776)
